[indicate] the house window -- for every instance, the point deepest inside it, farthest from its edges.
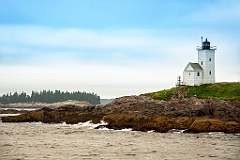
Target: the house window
(201, 62)
(210, 72)
(198, 74)
(210, 59)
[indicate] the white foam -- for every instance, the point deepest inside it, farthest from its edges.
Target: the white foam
(82, 124)
(6, 115)
(88, 124)
(176, 131)
(125, 129)
(63, 124)
(91, 125)
(105, 129)
(38, 123)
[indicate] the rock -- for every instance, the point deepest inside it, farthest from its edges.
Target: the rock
(68, 108)
(47, 109)
(183, 122)
(199, 125)
(216, 125)
(12, 111)
(232, 127)
(55, 117)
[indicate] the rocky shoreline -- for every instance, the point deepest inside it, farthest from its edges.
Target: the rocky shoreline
(142, 113)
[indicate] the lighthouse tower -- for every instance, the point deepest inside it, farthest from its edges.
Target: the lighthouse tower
(206, 59)
(202, 72)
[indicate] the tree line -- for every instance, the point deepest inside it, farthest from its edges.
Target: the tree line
(49, 96)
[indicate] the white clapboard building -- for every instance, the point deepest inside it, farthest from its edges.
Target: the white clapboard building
(202, 72)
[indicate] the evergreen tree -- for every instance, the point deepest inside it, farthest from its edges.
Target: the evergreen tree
(49, 96)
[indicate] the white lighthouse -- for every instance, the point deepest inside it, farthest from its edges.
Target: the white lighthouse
(206, 59)
(202, 72)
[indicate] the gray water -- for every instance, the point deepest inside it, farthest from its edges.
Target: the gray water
(25, 141)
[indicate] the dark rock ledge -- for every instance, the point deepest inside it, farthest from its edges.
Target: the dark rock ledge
(144, 114)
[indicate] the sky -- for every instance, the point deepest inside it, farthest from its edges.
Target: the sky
(113, 48)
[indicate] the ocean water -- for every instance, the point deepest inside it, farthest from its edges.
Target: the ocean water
(36, 141)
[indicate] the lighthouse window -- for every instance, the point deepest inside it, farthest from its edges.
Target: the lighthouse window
(198, 74)
(201, 62)
(210, 59)
(210, 72)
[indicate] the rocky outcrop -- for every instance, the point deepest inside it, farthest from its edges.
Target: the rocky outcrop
(12, 111)
(165, 124)
(143, 114)
(144, 123)
(188, 107)
(55, 117)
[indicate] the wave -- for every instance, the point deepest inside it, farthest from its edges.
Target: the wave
(88, 124)
(6, 115)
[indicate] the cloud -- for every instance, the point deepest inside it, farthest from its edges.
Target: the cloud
(35, 41)
(46, 36)
(219, 14)
(97, 78)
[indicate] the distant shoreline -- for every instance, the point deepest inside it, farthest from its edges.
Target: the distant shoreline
(41, 105)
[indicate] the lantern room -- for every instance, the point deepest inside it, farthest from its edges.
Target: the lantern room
(206, 44)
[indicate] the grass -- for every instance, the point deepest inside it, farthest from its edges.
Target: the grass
(161, 95)
(220, 91)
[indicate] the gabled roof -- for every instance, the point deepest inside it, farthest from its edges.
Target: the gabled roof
(193, 67)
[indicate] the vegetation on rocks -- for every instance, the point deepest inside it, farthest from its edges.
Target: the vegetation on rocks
(219, 91)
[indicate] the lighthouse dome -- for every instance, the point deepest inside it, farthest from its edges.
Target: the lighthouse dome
(206, 44)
